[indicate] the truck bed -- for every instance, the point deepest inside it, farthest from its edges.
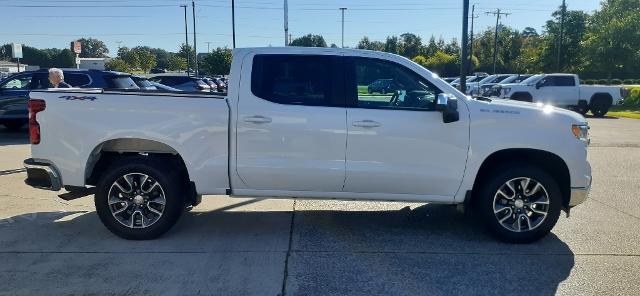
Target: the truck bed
(194, 125)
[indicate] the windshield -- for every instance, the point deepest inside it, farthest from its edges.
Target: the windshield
(121, 82)
(488, 79)
(473, 79)
(531, 79)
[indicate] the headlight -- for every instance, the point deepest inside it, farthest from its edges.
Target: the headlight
(581, 132)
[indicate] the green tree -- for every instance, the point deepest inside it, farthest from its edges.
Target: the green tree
(117, 64)
(410, 45)
(186, 52)
(218, 61)
(129, 56)
(146, 59)
(612, 42)
(92, 48)
(575, 26)
(391, 44)
(309, 40)
(176, 63)
(365, 43)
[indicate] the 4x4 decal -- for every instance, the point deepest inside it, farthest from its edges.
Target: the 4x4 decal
(81, 98)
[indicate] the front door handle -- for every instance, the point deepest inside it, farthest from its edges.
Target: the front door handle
(366, 123)
(258, 119)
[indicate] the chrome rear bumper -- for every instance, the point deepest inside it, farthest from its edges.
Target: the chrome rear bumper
(42, 175)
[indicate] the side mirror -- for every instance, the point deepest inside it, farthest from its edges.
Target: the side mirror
(538, 85)
(448, 105)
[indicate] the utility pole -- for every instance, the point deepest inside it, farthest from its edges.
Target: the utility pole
(186, 35)
(342, 9)
(286, 23)
(208, 44)
(233, 22)
(290, 38)
(564, 11)
(497, 13)
(464, 61)
(473, 17)
(195, 48)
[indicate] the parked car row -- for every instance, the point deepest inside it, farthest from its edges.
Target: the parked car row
(558, 89)
(14, 89)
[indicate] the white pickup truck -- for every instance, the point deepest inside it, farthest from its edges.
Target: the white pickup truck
(564, 90)
(299, 123)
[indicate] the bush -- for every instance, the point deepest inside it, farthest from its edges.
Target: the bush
(589, 82)
(616, 81)
(637, 81)
(634, 96)
(602, 81)
(627, 81)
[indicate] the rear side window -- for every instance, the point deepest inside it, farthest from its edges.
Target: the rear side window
(296, 79)
(76, 80)
(120, 82)
(565, 81)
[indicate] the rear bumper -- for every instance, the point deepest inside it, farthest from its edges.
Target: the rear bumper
(42, 175)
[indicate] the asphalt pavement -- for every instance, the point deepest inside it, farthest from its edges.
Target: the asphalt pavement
(231, 246)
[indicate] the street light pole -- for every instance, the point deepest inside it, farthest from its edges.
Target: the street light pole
(286, 23)
(233, 22)
(342, 9)
(186, 35)
(463, 55)
(195, 49)
(564, 10)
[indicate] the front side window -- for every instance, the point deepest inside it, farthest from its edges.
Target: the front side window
(295, 79)
(20, 82)
(558, 81)
(386, 85)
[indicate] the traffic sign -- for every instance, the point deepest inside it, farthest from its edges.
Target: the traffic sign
(16, 50)
(77, 47)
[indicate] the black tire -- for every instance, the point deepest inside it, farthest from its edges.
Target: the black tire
(14, 126)
(582, 108)
(170, 184)
(600, 106)
(484, 203)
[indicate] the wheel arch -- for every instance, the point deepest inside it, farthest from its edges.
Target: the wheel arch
(106, 152)
(548, 161)
(522, 96)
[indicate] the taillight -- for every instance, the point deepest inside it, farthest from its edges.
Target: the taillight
(35, 106)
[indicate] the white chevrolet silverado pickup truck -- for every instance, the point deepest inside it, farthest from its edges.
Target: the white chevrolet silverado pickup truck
(299, 123)
(564, 90)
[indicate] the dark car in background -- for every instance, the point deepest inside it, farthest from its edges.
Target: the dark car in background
(382, 86)
(157, 71)
(14, 90)
(213, 86)
(184, 83)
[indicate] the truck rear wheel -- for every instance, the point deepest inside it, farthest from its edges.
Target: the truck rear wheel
(600, 106)
(139, 199)
(519, 204)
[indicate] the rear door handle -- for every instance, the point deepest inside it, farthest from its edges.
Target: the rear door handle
(366, 123)
(258, 119)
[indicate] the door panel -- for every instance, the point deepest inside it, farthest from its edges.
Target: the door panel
(397, 143)
(291, 137)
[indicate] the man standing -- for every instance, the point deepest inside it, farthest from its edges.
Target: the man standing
(56, 78)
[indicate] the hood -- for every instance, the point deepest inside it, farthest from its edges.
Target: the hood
(517, 107)
(512, 85)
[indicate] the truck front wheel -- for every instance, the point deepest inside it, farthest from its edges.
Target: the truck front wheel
(519, 204)
(138, 198)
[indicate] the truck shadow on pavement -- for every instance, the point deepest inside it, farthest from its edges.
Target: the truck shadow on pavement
(426, 250)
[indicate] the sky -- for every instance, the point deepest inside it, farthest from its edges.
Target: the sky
(160, 23)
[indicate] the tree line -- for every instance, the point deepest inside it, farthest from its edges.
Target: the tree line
(601, 45)
(604, 44)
